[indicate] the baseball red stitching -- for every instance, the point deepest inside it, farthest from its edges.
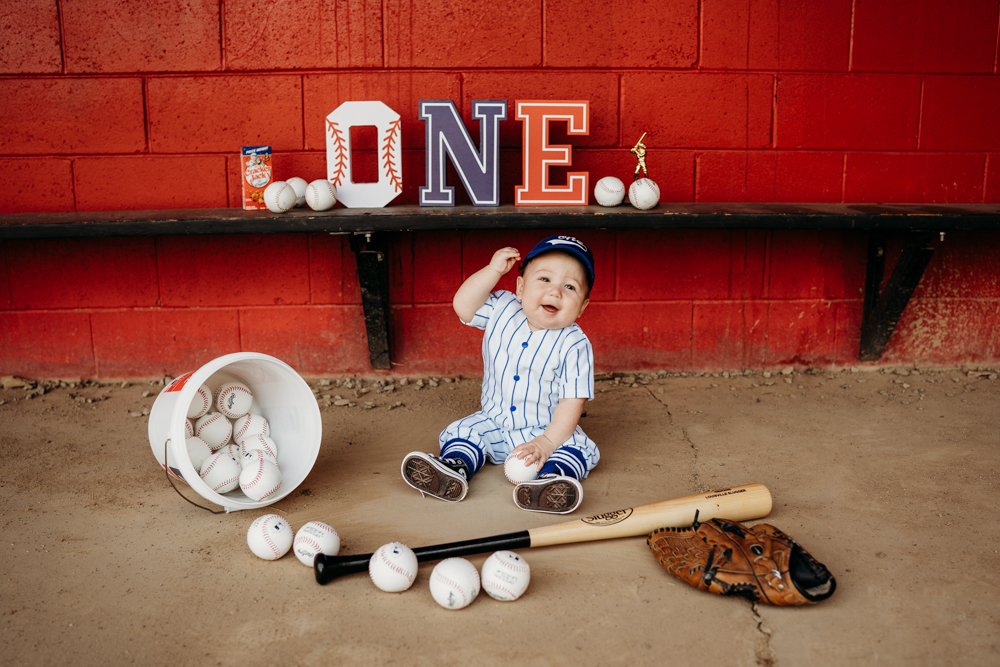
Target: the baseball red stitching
(309, 542)
(316, 192)
(206, 401)
(270, 542)
(277, 194)
(260, 473)
(454, 585)
(209, 468)
(493, 589)
(246, 424)
(395, 568)
(211, 420)
(228, 481)
(221, 399)
(320, 531)
(511, 566)
(271, 492)
(262, 442)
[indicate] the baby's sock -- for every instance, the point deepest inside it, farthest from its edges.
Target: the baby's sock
(565, 461)
(465, 452)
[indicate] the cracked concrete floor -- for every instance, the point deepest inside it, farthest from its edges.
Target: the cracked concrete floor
(889, 480)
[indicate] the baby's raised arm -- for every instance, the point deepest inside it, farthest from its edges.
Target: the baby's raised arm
(473, 293)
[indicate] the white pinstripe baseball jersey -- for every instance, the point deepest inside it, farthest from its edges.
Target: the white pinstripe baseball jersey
(525, 372)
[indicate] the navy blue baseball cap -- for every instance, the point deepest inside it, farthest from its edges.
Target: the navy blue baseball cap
(567, 244)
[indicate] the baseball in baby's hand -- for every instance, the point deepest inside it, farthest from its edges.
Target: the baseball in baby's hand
(505, 259)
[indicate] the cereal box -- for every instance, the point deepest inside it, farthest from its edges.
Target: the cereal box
(256, 169)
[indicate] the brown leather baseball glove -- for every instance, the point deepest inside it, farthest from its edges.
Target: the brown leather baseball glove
(761, 563)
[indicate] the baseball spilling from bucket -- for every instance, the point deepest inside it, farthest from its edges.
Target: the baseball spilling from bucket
(276, 415)
(269, 537)
(313, 538)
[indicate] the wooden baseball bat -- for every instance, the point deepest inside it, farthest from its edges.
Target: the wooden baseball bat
(739, 503)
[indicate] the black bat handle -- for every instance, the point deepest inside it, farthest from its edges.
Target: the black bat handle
(328, 568)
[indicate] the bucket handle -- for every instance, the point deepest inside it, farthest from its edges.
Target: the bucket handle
(166, 469)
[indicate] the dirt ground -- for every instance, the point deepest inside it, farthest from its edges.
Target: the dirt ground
(889, 477)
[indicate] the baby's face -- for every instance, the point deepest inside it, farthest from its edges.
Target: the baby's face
(552, 291)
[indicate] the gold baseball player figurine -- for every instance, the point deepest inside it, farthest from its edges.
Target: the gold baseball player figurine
(640, 154)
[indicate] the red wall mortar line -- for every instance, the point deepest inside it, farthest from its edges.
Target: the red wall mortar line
(986, 171)
(996, 48)
(843, 178)
(93, 345)
(222, 35)
(544, 32)
(62, 37)
(920, 112)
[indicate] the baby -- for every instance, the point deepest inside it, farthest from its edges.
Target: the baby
(538, 374)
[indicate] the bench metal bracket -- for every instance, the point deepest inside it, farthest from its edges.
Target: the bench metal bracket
(373, 277)
(881, 310)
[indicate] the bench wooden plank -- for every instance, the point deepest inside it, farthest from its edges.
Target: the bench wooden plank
(886, 217)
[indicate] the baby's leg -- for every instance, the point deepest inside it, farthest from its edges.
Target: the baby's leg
(557, 489)
(574, 458)
(469, 440)
(462, 454)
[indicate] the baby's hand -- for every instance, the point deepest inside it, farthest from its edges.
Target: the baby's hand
(504, 260)
(534, 452)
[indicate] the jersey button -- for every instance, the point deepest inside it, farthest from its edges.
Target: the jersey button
(513, 408)
(524, 345)
(516, 378)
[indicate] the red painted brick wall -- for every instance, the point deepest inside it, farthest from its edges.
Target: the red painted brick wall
(139, 104)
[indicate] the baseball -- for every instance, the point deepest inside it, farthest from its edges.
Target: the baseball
(279, 197)
(221, 472)
(249, 424)
(299, 186)
(269, 537)
(313, 538)
(233, 450)
(251, 455)
(320, 195)
(454, 583)
(505, 576)
(261, 442)
(644, 193)
(214, 429)
(516, 471)
(188, 429)
(201, 402)
(198, 451)
(233, 399)
(609, 191)
(260, 480)
(393, 568)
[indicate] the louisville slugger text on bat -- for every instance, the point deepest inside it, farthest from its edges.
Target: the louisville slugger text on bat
(739, 503)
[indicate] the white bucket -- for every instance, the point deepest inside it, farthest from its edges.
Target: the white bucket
(280, 395)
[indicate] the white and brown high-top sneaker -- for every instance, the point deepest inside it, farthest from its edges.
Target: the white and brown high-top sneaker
(446, 479)
(555, 494)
